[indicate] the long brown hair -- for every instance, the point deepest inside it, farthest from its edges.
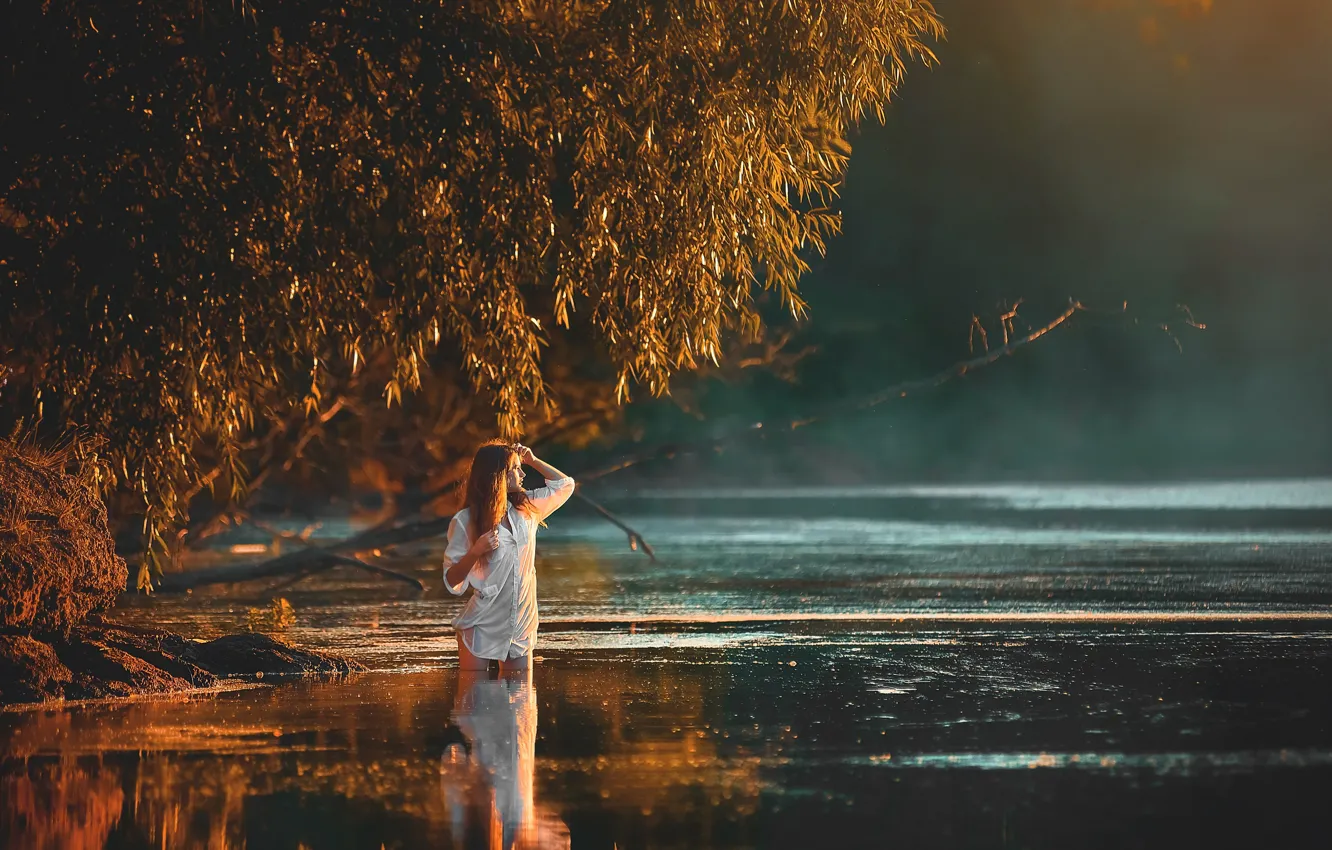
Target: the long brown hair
(486, 497)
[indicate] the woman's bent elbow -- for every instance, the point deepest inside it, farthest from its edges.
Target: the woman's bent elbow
(455, 579)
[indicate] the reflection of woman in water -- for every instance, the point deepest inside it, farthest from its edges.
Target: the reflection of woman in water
(498, 716)
(492, 550)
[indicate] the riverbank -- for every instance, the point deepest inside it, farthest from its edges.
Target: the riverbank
(101, 659)
(59, 571)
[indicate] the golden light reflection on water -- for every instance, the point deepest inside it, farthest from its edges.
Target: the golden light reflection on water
(59, 806)
(439, 758)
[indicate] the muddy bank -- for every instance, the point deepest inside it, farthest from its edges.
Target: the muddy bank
(59, 571)
(99, 659)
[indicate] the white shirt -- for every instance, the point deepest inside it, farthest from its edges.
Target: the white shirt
(500, 620)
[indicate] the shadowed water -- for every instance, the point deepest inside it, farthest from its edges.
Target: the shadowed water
(947, 669)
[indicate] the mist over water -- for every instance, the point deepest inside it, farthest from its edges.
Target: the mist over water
(1144, 152)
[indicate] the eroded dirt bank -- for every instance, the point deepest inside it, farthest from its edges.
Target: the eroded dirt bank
(99, 658)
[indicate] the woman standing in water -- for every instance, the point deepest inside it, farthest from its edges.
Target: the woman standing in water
(492, 549)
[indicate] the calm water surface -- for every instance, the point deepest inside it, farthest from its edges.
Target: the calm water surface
(923, 667)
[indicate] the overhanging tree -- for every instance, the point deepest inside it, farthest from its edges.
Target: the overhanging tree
(213, 220)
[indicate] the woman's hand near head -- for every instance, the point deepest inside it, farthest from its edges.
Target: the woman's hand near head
(547, 471)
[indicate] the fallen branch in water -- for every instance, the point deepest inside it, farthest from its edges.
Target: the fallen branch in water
(300, 576)
(338, 559)
(635, 539)
(348, 561)
(313, 559)
(296, 566)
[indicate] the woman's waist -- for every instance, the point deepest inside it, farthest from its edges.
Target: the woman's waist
(517, 617)
(513, 594)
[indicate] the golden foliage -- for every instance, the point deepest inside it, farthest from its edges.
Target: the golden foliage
(201, 768)
(211, 218)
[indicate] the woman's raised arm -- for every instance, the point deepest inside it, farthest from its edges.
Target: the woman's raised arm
(559, 487)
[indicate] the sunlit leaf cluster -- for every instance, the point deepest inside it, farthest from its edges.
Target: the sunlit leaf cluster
(212, 213)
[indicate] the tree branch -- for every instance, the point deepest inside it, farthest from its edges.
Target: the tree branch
(635, 539)
(895, 391)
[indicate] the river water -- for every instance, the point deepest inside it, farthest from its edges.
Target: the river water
(1035, 666)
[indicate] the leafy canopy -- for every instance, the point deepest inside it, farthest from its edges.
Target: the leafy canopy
(206, 211)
